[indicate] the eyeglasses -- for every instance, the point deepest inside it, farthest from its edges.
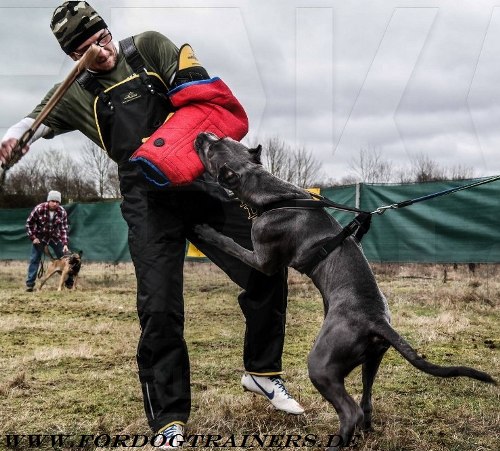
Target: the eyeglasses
(103, 41)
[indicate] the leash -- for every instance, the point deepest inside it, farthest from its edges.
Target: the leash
(41, 270)
(45, 253)
(406, 203)
(324, 202)
(360, 225)
(320, 202)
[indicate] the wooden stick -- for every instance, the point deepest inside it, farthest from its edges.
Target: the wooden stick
(82, 64)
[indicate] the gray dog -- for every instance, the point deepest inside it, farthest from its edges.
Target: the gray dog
(356, 329)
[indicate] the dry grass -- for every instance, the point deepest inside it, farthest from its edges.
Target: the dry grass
(68, 359)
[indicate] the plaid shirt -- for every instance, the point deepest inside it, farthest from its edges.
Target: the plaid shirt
(40, 226)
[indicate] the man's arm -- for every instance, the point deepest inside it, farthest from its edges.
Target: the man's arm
(159, 53)
(18, 130)
(31, 225)
(11, 137)
(14, 133)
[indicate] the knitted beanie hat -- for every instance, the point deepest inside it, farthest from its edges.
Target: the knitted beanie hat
(54, 195)
(73, 23)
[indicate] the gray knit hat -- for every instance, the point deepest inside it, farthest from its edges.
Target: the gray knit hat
(73, 23)
(54, 195)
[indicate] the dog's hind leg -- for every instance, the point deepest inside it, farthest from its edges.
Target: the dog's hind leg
(329, 364)
(47, 277)
(370, 368)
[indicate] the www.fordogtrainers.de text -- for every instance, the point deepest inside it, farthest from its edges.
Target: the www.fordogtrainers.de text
(56, 441)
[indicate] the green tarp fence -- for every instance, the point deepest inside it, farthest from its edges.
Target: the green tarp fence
(462, 227)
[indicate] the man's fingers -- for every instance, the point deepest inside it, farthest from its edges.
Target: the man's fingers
(6, 150)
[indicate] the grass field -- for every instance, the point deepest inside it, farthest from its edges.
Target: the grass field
(67, 361)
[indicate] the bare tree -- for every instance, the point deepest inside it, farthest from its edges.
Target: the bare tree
(425, 169)
(370, 167)
(348, 180)
(294, 165)
(65, 175)
(113, 182)
(27, 178)
(306, 167)
(99, 167)
(277, 158)
(404, 175)
(52, 169)
(461, 172)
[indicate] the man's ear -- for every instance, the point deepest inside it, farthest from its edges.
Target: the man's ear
(255, 154)
(228, 178)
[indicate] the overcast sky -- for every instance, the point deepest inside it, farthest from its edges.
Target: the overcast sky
(398, 77)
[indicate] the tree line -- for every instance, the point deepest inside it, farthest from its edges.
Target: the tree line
(87, 174)
(371, 167)
(84, 175)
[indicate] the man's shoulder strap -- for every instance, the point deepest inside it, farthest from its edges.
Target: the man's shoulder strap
(135, 61)
(88, 82)
(132, 55)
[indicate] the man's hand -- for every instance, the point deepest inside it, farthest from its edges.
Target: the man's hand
(65, 248)
(36, 241)
(6, 150)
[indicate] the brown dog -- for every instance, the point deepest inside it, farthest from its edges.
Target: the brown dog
(66, 265)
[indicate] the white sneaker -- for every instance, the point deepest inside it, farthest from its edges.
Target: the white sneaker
(173, 437)
(274, 390)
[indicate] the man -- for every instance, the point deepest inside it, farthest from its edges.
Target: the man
(47, 225)
(118, 107)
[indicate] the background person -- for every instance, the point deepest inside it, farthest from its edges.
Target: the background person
(160, 220)
(47, 225)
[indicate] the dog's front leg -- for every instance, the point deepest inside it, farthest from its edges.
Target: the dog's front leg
(63, 278)
(251, 258)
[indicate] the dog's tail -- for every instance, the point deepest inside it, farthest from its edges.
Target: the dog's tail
(404, 348)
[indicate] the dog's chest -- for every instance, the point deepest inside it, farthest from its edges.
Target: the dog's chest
(290, 234)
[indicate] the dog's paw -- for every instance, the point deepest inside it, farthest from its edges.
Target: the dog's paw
(207, 233)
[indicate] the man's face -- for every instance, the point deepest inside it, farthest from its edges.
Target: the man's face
(53, 204)
(107, 56)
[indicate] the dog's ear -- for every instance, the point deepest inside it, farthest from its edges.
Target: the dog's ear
(255, 154)
(80, 253)
(228, 178)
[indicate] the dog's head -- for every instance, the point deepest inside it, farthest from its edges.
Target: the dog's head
(75, 261)
(226, 159)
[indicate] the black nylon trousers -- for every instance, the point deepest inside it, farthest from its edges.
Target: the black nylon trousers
(159, 222)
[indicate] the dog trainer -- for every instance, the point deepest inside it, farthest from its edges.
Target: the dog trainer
(47, 225)
(118, 104)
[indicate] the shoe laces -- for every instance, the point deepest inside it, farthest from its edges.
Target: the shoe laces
(281, 386)
(171, 432)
